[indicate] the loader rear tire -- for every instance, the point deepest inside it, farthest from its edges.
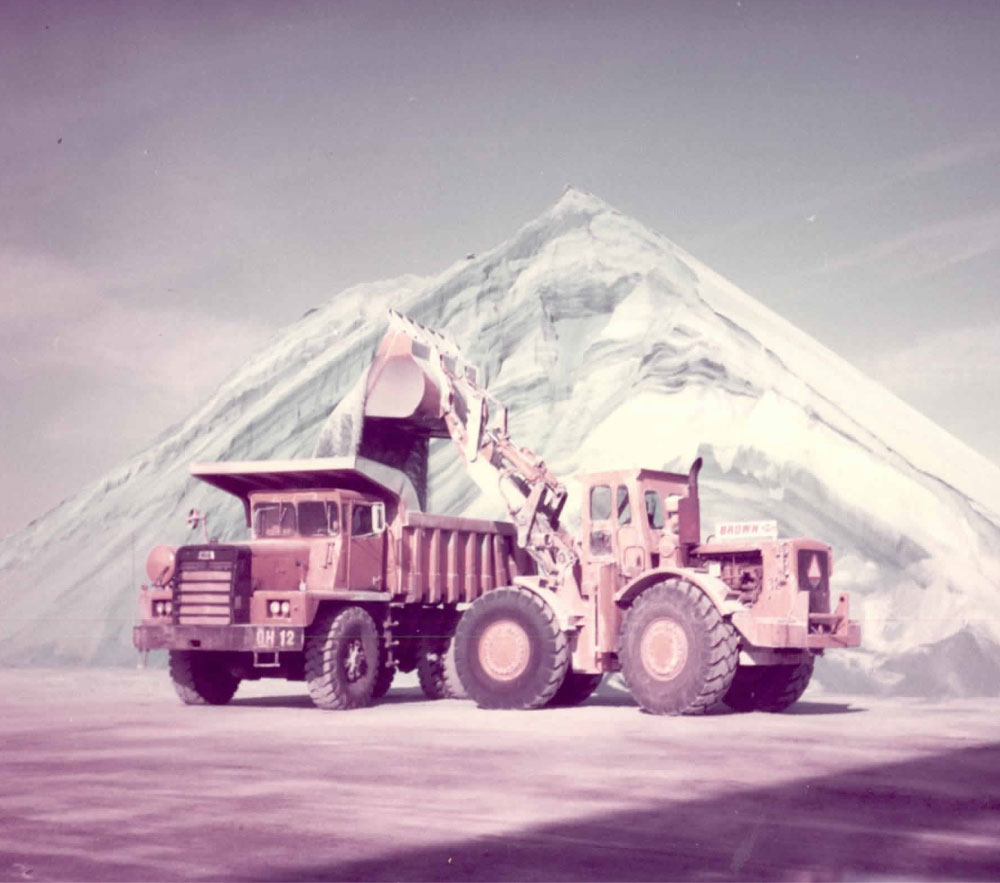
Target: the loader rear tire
(201, 678)
(576, 688)
(342, 659)
(510, 651)
(678, 654)
(771, 688)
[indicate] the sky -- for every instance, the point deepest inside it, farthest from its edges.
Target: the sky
(180, 180)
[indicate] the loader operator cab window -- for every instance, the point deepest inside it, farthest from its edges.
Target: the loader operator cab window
(623, 505)
(654, 510)
(600, 510)
(274, 520)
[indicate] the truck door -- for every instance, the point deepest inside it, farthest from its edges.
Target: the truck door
(366, 549)
(319, 524)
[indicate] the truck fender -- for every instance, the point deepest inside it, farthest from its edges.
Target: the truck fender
(568, 621)
(713, 587)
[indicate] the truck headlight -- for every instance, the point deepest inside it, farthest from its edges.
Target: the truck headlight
(274, 608)
(286, 608)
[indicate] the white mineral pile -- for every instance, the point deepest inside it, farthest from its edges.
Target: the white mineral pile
(612, 347)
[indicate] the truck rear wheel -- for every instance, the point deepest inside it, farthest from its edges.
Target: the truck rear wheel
(577, 687)
(436, 668)
(678, 654)
(510, 651)
(770, 688)
(201, 678)
(342, 662)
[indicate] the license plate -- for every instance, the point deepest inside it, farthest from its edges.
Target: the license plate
(268, 638)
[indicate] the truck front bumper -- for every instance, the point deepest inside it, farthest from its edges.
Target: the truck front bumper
(168, 636)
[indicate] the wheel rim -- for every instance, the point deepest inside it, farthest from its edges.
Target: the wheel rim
(664, 649)
(504, 650)
(354, 660)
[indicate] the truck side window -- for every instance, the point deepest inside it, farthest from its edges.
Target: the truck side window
(313, 519)
(334, 512)
(361, 520)
(654, 510)
(624, 507)
(600, 503)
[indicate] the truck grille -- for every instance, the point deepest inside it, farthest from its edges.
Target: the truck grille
(203, 591)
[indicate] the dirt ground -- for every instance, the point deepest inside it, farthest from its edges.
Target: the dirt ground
(104, 775)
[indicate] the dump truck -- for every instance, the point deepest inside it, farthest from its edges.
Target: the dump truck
(345, 580)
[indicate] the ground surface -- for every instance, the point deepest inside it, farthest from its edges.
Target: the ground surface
(105, 776)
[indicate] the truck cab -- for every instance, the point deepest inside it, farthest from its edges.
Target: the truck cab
(338, 533)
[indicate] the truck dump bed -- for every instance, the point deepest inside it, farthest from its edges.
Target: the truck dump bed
(455, 560)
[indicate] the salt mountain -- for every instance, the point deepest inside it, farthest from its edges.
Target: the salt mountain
(612, 347)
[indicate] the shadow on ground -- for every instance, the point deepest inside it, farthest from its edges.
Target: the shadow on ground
(934, 817)
(393, 697)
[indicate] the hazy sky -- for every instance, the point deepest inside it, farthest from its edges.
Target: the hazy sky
(180, 180)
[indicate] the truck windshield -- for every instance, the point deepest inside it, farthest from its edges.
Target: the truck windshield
(313, 519)
(318, 519)
(274, 520)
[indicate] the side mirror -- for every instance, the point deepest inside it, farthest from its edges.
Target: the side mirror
(378, 518)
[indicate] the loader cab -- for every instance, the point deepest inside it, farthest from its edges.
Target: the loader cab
(639, 519)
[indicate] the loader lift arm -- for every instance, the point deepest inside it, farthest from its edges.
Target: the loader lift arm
(420, 378)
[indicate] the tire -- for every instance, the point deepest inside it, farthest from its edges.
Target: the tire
(771, 688)
(510, 651)
(436, 667)
(201, 678)
(383, 682)
(678, 654)
(576, 688)
(343, 659)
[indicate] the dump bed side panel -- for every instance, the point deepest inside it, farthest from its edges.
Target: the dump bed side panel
(443, 560)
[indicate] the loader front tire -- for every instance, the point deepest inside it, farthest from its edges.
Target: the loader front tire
(678, 654)
(771, 688)
(201, 678)
(342, 659)
(577, 687)
(510, 651)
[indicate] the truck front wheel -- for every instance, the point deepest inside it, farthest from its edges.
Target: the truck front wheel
(768, 687)
(678, 654)
(342, 661)
(510, 651)
(200, 677)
